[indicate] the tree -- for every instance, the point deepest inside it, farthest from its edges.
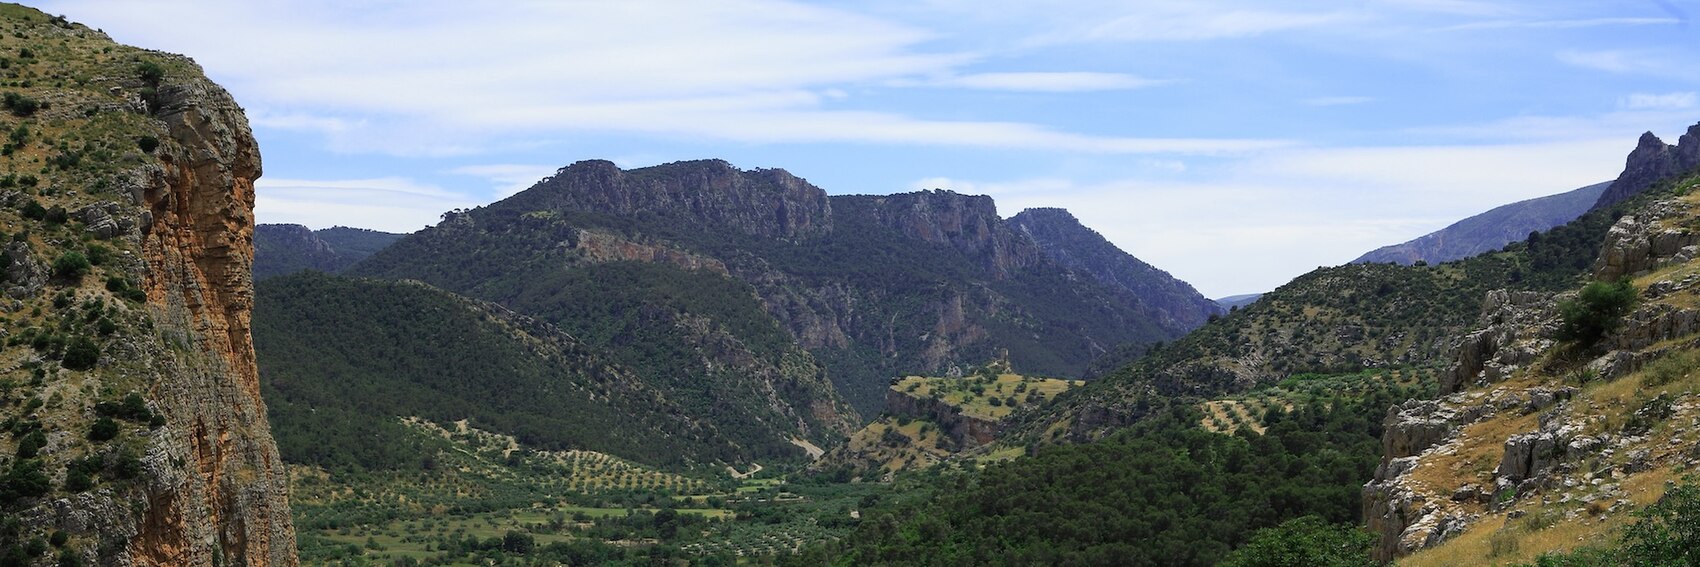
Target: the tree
(72, 266)
(1668, 532)
(1308, 541)
(1596, 311)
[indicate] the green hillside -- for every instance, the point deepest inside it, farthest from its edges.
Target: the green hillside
(342, 359)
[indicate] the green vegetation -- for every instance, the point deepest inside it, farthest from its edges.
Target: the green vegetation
(1164, 492)
(1596, 311)
(342, 359)
(1305, 542)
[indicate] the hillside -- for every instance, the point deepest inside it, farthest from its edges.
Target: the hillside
(380, 351)
(1491, 230)
(869, 286)
(1342, 319)
(288, 248)
(131, 425)
(1547, 438)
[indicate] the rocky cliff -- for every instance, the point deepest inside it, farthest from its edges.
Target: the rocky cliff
(1652, 160)
(871, 285)
(153, 443)
(1173, 303)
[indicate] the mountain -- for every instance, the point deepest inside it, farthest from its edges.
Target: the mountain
(1491, 230)
(1652, 161)
(1241, 300)
(868, 286)
(1152, 292)
(130, 412)
(381, 351)
(288, 248)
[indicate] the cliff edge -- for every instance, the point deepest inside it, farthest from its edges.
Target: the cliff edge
(129, 397)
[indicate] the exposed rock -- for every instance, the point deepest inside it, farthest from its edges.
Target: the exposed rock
(25, 274)
(107, 220)
(217, 488)
(1171, 302)
(600, 246)
(1517, 327)
(965, 431)
(1652, 160)
(764, 202)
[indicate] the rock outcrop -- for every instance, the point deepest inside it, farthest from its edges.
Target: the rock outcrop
(154, 241)
(712, 194)
(964, 431)
(1651, 161)
(1174, 304)
(219, 489)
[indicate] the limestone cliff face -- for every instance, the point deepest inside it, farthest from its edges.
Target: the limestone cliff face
(968, 223)
(217, 490)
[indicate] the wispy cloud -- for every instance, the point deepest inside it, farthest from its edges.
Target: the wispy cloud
(507, 178)
(1563, 24)
(1666, 101)
(1659, 63)
(391, 204)
(1048, 82)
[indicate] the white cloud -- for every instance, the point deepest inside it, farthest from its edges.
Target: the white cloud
(1051, 82)
(1656, 63)
(507, 178)
(435, 78)
(1564, 24)
(390, 204)
(1666, 101)
(1260, 220)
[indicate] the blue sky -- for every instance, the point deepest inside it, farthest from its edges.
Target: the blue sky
(1235, 144)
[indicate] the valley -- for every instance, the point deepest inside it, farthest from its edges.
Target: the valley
(644, 361)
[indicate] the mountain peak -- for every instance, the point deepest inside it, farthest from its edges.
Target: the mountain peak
(1650, 161)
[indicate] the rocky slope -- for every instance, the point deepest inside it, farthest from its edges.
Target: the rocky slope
(871, 286)
(1174, 304)
(135, 422)
(288, 248)
(1540, 445)
(1653, 160)
(1491, 230)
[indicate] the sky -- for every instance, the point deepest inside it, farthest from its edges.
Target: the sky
(1234, 144)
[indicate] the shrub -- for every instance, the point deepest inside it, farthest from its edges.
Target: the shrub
(81, 354)
(104, 429)
(147, 144)
(72, 266)
(20, 105)
(1595, 312)
(1668, 532)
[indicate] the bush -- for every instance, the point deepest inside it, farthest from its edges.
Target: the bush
(20, 105)
(104, 429)
(81, 354)
(147, 144)
(1597, 311)
(72, 266)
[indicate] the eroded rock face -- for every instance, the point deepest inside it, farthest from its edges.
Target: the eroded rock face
(764, 202)
(1651, 161)
(1641, 242)
(1517, 327)
(217, 488)
(965, 431)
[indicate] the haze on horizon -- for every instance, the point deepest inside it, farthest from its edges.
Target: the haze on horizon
(1233, 144)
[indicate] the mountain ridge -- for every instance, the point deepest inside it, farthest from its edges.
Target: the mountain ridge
(1490, 230)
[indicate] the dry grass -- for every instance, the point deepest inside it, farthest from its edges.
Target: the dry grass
(959, 392)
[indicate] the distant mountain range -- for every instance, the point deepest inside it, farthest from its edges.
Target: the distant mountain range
(1491, 230)
(754, 304)
(288, 248)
